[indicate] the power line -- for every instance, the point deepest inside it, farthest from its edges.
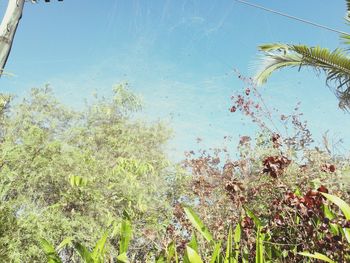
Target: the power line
(292, 17)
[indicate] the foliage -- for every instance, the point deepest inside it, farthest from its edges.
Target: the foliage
(73, 173)
(271, 239)
(99, 179)
(265, 191)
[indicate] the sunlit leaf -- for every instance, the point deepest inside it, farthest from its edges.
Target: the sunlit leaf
(344, 207)
(64, 243)
(256, 220)
(193, 256)
(259, 254)
(237, 240)
(193, 243)
(198, 224)
(84, 253)
(126, 235)
(228, 257)
(98, 251)
(317, 256)
(50, 252)
(347, 234)
(122, 258)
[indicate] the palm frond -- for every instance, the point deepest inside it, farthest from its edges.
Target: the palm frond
(346, 37)
(276, 56)
(347, 17)
(336, 65)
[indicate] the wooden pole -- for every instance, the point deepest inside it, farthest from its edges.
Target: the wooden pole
(8, 29)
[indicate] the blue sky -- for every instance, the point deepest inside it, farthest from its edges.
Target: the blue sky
(177, 54)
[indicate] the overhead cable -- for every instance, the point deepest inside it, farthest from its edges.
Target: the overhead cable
(292, 17)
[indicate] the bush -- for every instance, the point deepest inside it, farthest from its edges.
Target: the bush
(271, 177)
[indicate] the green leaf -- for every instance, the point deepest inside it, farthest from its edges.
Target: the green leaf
(245, 255)
(198, 224)
(256, 220)
(122, 258)
(171, 252)
(344, 207)
(327, 212)
(50, 252)
(193, 257)
(65, 242)
(335, 228)
(77, 181)
(98, 251)
(259, 256)
(317, 256)
(228, 257)
(216, 252)
(125, 235)
(193, 243)
(347, 234)
(237, 240)
(84, 253)
(272, 47)
(297, 192)
(335, 64)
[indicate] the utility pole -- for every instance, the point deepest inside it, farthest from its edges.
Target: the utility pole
(8, 28)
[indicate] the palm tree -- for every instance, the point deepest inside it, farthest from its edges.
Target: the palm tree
(335, 64)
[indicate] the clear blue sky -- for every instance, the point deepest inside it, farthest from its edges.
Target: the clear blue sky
(179, 55)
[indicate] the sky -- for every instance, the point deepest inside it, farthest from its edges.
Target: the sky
(179, 55)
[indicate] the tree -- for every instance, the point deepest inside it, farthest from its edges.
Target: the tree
(335, 64)
(75, 173)
(8, 28)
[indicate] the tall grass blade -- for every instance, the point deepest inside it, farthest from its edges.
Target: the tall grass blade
(215, 257)
(259, 256)
(237, 240)
(228, 257)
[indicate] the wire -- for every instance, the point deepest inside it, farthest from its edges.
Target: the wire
(292, 17)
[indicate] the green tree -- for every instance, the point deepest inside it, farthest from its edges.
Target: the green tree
(68, 173)
(335, 64)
